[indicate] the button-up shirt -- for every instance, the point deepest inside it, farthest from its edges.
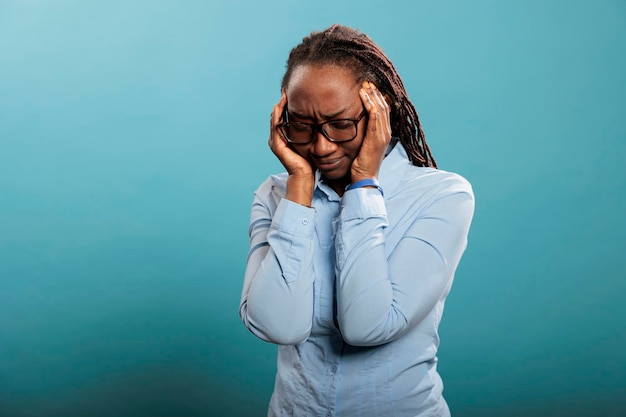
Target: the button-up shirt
(352, 290)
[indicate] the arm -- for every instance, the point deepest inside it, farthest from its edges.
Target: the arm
(380, 298)
(277, 297)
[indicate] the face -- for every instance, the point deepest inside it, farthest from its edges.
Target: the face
(318, 94)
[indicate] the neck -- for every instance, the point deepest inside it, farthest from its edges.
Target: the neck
(339, 186)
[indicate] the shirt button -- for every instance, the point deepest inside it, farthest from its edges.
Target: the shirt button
(305, 221)
(333, 369)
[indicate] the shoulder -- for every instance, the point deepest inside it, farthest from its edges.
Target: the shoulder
(420, 188)
(433, 181)
(271, 190)
(406, 181)
(273, 183)
(438, 179)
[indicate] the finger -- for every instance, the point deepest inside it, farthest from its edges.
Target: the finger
(370, 105)
(275, 118)
(367, 101)
(377, 111)
(383, 112)
(278, 109)
(384, 108)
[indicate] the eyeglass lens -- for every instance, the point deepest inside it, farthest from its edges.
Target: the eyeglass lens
(335, 130)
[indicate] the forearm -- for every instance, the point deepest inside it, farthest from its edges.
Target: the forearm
(383, 291)
(300, 189)
(277, 298)
(364, 293)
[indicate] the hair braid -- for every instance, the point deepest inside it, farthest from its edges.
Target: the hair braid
(349, 48)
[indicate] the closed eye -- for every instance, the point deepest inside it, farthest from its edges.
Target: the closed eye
(341, 124)
(299, 127)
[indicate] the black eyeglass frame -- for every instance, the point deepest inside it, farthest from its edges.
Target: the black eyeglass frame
(319, 127)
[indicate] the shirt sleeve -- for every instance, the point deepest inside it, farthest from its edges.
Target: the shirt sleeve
(277, 297)
(380, 295)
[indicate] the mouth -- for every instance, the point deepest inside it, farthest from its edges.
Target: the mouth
(328, 164)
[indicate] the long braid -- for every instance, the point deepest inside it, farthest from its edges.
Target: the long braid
(346, 47)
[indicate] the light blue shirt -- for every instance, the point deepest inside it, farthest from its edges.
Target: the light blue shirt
(353, 290)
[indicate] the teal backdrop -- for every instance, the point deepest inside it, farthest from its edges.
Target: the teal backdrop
(133, 134)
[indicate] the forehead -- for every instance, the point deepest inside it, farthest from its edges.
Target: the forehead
(321, 89)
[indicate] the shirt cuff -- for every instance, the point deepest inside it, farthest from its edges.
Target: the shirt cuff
(362, 203)
(293, 218)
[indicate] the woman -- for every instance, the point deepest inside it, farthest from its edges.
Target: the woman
(354, 248)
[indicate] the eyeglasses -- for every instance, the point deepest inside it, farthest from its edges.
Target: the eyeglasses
(339, 130)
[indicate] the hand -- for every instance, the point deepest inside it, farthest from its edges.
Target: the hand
(377, 134)
(301, 181)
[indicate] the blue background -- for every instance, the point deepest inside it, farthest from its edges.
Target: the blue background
(133, 134)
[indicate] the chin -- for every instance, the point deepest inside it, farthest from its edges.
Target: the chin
(336, 175)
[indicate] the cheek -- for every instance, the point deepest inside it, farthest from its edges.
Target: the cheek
(302, 150)
(352, 148)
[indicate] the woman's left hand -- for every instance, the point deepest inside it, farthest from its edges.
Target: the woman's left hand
(377, 134)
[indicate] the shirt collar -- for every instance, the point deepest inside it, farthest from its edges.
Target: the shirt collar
(393, 168)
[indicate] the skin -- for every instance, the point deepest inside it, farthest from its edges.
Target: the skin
(318, 93)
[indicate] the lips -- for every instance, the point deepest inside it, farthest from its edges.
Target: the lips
(328, 164)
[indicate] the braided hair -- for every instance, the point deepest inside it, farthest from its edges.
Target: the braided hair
(349, 48)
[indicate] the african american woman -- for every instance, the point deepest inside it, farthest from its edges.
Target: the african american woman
(353, 249)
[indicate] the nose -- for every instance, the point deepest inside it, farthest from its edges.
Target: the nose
(321, 145)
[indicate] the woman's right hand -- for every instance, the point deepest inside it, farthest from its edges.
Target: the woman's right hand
(301, 181)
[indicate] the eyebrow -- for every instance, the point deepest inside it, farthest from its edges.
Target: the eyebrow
(324, 116)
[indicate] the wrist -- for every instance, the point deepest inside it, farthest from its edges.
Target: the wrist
(366, 183)
(357, 176)
(300, 189)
